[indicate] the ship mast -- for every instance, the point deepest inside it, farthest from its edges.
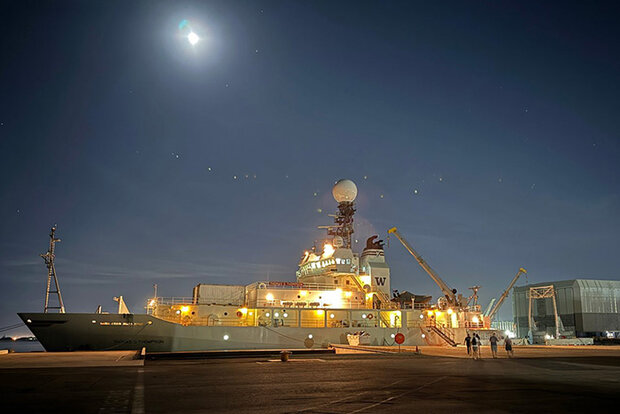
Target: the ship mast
(51, 274)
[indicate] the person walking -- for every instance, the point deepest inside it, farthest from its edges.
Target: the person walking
(468, 344)
(508, 345)
(474, 347)
(493, 341)
(479, 346)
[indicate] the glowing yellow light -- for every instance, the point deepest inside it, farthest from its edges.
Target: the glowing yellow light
(303, 293)
(184, 309)
(348, 294)
(328, 251)
(430, 313)
(338, 290)
(320, 312)
(152, 302)
(437, 313)
(450, 311)
(243, 310)
(269, 297)
(475, 319)
(365, 280)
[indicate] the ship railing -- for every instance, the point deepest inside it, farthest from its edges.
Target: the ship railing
(292, 285)
(303, 304)
(174, 300)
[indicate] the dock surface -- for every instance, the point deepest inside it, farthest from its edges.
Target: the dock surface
(70, 359)
(555, 380)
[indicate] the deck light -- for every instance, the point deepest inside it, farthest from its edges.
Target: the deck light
(364, 316)
(475, 319)
(267, 314)
(393, 336)
(269, 297)
(184, 309)
(193, 38)
(276, 314)
(309, 336)
(226, 337)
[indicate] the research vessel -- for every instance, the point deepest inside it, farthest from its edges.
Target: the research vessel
(338, 297)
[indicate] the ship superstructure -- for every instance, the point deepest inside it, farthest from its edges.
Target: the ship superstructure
(337, 294)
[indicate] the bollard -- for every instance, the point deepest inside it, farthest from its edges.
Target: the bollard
(284, 355)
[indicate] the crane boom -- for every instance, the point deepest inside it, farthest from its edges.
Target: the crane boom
(449, 293)
(498, 304)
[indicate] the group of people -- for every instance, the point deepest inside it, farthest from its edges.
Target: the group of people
(474, 343)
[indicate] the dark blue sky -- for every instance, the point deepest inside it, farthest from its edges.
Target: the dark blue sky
(504, 116)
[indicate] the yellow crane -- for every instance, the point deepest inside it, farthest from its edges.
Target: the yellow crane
(449, 293)
(498, 304)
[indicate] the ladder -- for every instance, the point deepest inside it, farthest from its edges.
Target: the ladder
(443, 335)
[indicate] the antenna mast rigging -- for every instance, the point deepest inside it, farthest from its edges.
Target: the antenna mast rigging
(51, 274)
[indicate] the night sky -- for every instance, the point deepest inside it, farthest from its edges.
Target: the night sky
(487, 132)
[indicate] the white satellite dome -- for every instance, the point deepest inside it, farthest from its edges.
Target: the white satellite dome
(344, 190)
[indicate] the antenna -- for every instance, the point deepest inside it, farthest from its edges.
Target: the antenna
(51, 274)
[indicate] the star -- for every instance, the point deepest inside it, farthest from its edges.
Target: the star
(319, 210)
(234, 177)
(365, 177)
(209, 169)
(440, 179)
(315, 194)
(381, 196)
(499, 180)
(415, 191)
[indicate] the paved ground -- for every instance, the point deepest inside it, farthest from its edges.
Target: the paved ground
(354, 383)
(70, 359)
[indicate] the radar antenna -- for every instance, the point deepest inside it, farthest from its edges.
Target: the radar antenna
(51, 274)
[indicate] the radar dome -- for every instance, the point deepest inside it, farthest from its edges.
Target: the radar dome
(344, 190)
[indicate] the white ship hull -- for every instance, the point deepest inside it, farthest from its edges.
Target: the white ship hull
(92, 331)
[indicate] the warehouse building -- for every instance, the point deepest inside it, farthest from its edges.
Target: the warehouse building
(586, 308)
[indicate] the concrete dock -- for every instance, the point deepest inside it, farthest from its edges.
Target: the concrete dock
(570, 380)
(70, 359)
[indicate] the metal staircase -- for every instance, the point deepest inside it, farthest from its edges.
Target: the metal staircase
(446, 335)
